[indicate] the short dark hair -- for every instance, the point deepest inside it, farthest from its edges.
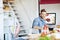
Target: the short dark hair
(42, 10)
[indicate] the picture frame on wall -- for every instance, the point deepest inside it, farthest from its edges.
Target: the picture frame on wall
(51, 18)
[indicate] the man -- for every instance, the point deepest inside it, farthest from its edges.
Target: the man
(39, 22)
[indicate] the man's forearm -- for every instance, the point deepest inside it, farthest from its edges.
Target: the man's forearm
(37, 27)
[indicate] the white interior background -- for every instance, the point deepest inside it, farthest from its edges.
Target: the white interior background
(1, 21)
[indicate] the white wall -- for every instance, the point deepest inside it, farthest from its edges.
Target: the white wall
(52, 8)
(28, 10)
(1, 21)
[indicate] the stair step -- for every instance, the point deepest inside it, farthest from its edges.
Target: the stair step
(12, 6)
(16, 14)
(22, 35)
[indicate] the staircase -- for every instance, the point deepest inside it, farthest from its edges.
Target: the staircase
(20, 21)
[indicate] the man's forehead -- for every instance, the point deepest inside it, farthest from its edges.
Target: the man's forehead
(44, 13)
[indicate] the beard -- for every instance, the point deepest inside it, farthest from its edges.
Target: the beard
(43, 17)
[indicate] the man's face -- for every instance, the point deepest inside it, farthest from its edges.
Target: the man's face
(43, 15)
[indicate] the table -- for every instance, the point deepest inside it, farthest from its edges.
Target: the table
(36, 36)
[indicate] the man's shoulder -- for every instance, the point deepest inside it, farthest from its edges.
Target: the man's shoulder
(37, 18)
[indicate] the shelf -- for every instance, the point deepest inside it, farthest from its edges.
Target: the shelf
(5, 3)
(6, 7)
(8, 1)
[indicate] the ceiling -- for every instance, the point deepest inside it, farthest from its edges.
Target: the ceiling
(49, 1)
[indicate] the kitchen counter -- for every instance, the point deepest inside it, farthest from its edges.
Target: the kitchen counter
(34, 36)
(54, 36)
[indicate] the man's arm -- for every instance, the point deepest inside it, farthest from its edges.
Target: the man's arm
(37, 27)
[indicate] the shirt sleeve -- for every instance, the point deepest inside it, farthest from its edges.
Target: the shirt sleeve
(35, 23)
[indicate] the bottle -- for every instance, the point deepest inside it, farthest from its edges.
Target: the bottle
(45, 29)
